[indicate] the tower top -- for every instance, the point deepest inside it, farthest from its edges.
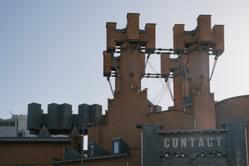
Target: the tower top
(131, 33)
(203, 34)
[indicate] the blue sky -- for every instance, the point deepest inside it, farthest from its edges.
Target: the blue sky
(51, 50)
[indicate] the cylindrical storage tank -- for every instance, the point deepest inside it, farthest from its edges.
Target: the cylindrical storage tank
(75, 121)
(95, 113)
(83, 111)
(66, 117)
(53, 116)
(233, 109)
(44, 120)
(34, 116)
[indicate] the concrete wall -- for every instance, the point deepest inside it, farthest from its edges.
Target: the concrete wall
(8, 128)
(8, 131)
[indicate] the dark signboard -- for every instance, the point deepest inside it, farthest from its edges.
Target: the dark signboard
(194, 146)
(186, 148)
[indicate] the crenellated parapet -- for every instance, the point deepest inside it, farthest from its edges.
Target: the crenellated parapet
(129, 66)
(131, 34)
(203, 35)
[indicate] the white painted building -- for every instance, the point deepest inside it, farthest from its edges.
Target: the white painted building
(16, 126)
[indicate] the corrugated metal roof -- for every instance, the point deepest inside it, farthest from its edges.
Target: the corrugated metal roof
(62, 140)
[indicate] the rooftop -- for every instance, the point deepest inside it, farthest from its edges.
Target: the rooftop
(63, 140)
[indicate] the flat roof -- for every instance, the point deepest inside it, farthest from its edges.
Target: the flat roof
(62, 140)
(107, 157)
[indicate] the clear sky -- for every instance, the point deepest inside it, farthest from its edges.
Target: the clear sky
(51, 50)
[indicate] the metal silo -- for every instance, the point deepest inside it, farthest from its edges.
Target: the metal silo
(75, 121)
(83, 111)
(66, 117)
(95, 114)
(53, 116)
(34, 116)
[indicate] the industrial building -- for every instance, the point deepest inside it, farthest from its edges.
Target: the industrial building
(16, 126)
(195, 131)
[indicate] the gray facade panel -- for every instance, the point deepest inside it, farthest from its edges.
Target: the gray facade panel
(8, 131)
(188, 148)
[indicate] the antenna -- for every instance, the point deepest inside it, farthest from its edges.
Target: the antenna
(10, 112)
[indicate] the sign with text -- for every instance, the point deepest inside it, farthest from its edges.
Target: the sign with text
(193, 144)
(185, 147)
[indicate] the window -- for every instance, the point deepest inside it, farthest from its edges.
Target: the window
(92, 150)
(116, 147)
(7, 123)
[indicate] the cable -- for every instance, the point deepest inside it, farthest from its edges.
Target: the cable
(110, 85)
(160, 98)
(147, 60)
(169, 89)
(163, 84)
(158, 94)
(214, 65)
